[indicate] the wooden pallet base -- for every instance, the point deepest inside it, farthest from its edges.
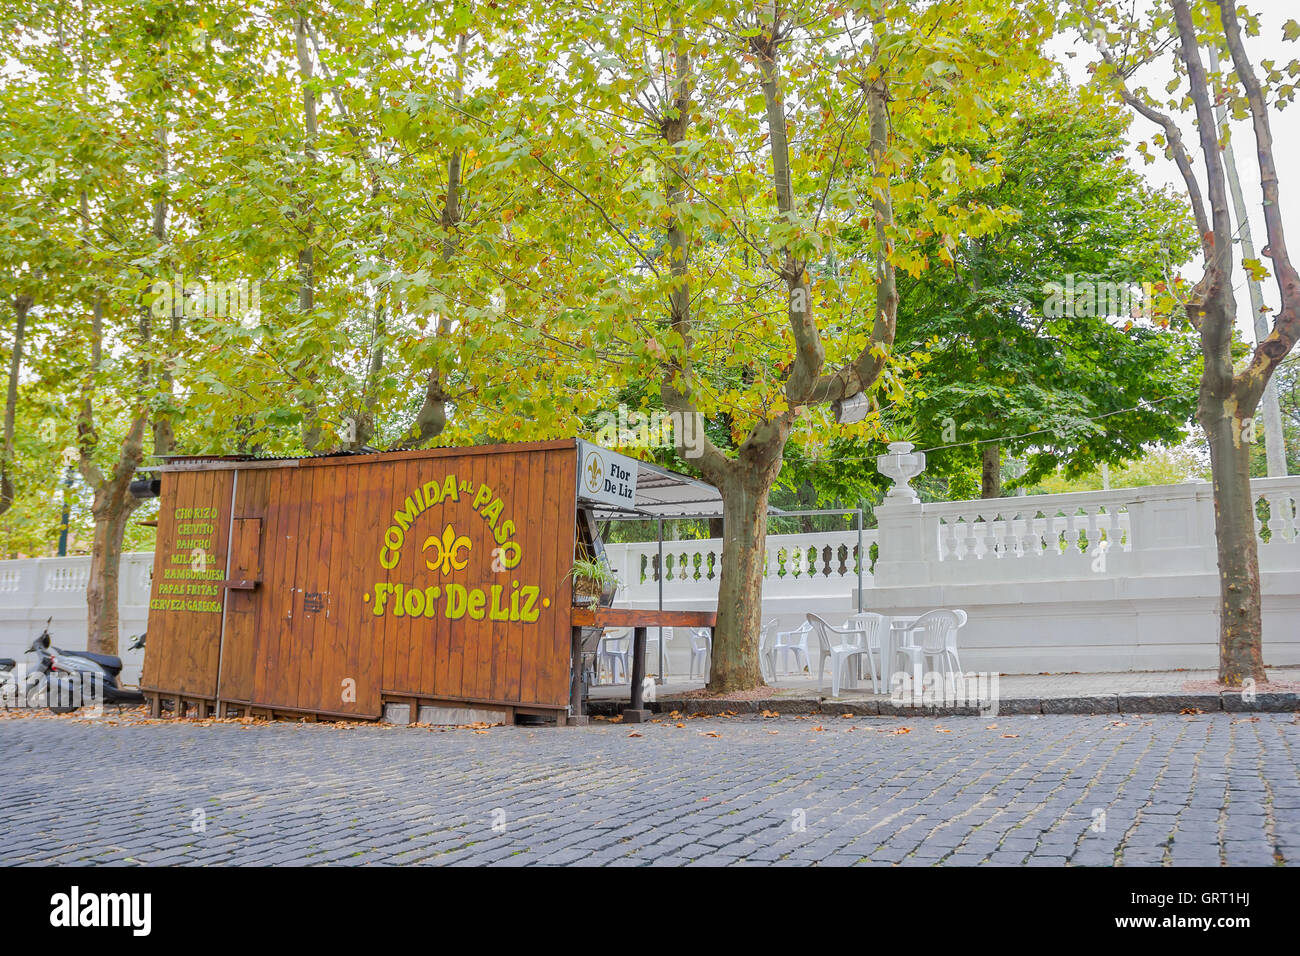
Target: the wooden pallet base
(507, 713)
(175, 705)
(163, 704)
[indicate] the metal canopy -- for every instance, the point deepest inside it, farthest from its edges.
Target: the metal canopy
(660, 492)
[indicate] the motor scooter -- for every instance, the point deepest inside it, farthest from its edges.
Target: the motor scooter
(67, 680)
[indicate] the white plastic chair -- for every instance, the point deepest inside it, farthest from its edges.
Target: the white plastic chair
(701, 649)
(793, 642)
(952, 638)
(766, 655)
(652, 656)
(873, 627)
(938, 642)
(616, 648)
(850, 644)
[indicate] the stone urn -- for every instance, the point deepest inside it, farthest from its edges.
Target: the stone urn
(901, 465)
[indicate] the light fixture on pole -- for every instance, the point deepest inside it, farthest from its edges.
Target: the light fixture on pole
(850, 410)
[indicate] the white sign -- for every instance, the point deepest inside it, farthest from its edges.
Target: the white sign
(606, 476)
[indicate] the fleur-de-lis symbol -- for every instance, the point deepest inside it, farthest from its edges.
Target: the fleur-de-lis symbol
(594, 472)
(446, 551)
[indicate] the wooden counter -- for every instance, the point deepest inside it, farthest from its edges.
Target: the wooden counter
(639, 620)
(638, 617)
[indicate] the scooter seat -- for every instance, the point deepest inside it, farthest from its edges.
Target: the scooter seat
(7, 663)
(106, 661)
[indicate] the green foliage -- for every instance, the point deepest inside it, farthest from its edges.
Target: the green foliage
(1036, 334)
(545, 299)
(1154, 465)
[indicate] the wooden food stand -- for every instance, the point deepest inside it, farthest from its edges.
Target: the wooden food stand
(335, 586)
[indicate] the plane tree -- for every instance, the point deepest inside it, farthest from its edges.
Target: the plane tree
(1178, 39)
(721, 206)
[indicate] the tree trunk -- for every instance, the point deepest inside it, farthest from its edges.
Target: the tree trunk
(740, 588)
(1240, 626)
(22, 304)
(311, 422)
(431, 419)
(991, 471)
(113, 506)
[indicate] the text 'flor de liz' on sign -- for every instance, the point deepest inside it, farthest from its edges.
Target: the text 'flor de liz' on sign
(606, 477)
(449, 519)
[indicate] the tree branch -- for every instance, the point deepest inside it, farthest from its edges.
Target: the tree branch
(1286, 327)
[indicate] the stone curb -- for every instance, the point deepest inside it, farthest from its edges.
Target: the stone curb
(1102, 704)
(1123, 703)
(1166, 703)
(1263, 703)
(1020, 705)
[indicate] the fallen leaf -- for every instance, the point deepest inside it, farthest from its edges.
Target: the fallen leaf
(1191, 711)
(769, 714)
(991, 727)
(680, 724)
(709, 733)
(634, 734)
(846, 716)
(902, 730)
(1007, 736)
(942, 730)
(819, 727)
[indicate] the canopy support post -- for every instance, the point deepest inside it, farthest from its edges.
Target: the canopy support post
(862, 560)
(659, 677)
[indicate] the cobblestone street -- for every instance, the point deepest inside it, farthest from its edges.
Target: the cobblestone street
(1166, 789)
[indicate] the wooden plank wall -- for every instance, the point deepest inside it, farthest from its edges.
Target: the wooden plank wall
(186, 594)
(307, 637)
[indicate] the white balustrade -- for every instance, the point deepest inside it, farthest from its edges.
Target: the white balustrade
(1276, 501)
(1124, 578)
(812, 563)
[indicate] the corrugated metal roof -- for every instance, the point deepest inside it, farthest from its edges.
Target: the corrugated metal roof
(349, 454)
(659, 491)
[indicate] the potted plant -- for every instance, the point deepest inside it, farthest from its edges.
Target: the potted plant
(592, 580)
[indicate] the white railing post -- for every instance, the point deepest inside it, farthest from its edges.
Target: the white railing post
(905, 549)
(1167, 531)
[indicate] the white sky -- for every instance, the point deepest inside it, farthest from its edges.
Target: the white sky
(1285, 124)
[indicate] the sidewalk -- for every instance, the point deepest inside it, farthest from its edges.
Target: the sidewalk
(1129, 692)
